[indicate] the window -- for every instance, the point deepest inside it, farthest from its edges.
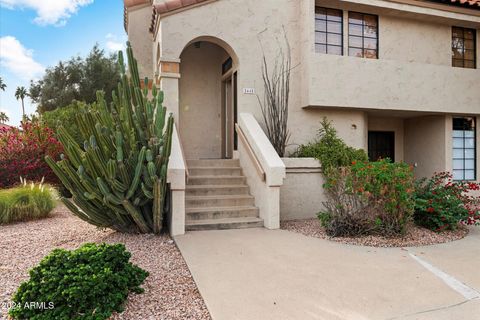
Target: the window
(328, 31)
(464, 149)
(463, 48)
(362, 35)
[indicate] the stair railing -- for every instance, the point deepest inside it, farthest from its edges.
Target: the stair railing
(263, 168)
(176, 177)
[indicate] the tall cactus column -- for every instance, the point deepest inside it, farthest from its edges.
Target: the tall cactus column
(118, 178)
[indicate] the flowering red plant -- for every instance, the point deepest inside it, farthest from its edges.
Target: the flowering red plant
(442, 203)
(22, 153)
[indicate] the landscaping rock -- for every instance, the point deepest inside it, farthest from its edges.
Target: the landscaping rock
(170, 292)
(415, 236)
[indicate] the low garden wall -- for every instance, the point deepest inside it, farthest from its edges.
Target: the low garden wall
(301, 195)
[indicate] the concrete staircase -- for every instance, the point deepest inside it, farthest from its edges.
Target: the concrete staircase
(217, 197)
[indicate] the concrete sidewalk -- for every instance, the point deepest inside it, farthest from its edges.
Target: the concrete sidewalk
(275, 274)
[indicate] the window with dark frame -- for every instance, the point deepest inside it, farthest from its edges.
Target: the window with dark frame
(328, 31)
(464, 149)
(362, 35)
(463, 47)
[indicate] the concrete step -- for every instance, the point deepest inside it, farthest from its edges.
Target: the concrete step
(216, 190)
(214, 171)
(221, 224)
(216, 180)
(213, 163)
(220, 212)
(219, 201)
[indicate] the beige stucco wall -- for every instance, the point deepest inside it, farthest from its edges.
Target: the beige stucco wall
(410, 40)
(390, 124)
(200, 101)
(426, 146)
(351, 126)
(301, 195)
(138, 23)
(413, 72)
(245, 26)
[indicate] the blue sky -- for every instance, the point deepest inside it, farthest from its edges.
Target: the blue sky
(36, 34)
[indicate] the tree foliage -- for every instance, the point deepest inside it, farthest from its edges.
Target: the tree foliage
(2, 84)
(3, 117)
(76, 79)
(65, 117)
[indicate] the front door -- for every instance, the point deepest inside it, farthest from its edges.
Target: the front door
(381, 145)
(229, 114)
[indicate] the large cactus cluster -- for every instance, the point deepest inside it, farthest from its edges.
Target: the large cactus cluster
(118, 177)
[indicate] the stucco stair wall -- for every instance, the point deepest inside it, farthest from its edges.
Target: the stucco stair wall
(218, 197)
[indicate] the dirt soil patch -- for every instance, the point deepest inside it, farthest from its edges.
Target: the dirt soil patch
(170, 292)
(415, 236)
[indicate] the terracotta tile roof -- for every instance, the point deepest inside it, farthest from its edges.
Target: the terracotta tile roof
(168, 6)
(131, 3)
(171, 5)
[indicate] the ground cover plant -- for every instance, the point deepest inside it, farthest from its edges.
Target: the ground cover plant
(442, 203)
(90, 282)
(118, 177)
(26, 202)
(22, 153)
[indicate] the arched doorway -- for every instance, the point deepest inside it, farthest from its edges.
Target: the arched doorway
(208, 99)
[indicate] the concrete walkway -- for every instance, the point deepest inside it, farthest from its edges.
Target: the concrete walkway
(275, 274)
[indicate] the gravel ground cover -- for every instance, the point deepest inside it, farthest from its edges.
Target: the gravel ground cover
(416, 236)
(170, 292)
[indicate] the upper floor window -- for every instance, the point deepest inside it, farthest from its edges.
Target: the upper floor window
(362, 35)
(463, 47)
(464, 149)
(328, 31)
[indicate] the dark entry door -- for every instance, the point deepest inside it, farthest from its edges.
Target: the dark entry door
(381, 145)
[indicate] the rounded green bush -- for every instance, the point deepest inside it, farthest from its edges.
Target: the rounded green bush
(88, 283)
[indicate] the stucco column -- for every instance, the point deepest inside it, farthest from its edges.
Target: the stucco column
(169, 82)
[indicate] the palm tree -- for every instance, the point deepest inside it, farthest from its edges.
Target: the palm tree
(3, 117)
(2, 84)
(21, 93)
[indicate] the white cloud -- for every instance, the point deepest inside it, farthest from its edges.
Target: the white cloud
(54, 12)
(18, 59)
(113, 44)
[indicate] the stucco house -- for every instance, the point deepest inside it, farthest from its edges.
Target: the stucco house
(398, 78)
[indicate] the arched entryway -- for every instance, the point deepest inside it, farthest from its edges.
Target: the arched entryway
(208, 99)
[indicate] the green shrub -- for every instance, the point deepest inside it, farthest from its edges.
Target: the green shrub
(369, 197)
(441, 203)
(66, 117)
(88, 283)
(26, 202)
(330, 150)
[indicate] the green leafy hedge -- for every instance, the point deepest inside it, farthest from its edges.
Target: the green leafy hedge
(88, 283)
(330, 150)
(26, 202)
